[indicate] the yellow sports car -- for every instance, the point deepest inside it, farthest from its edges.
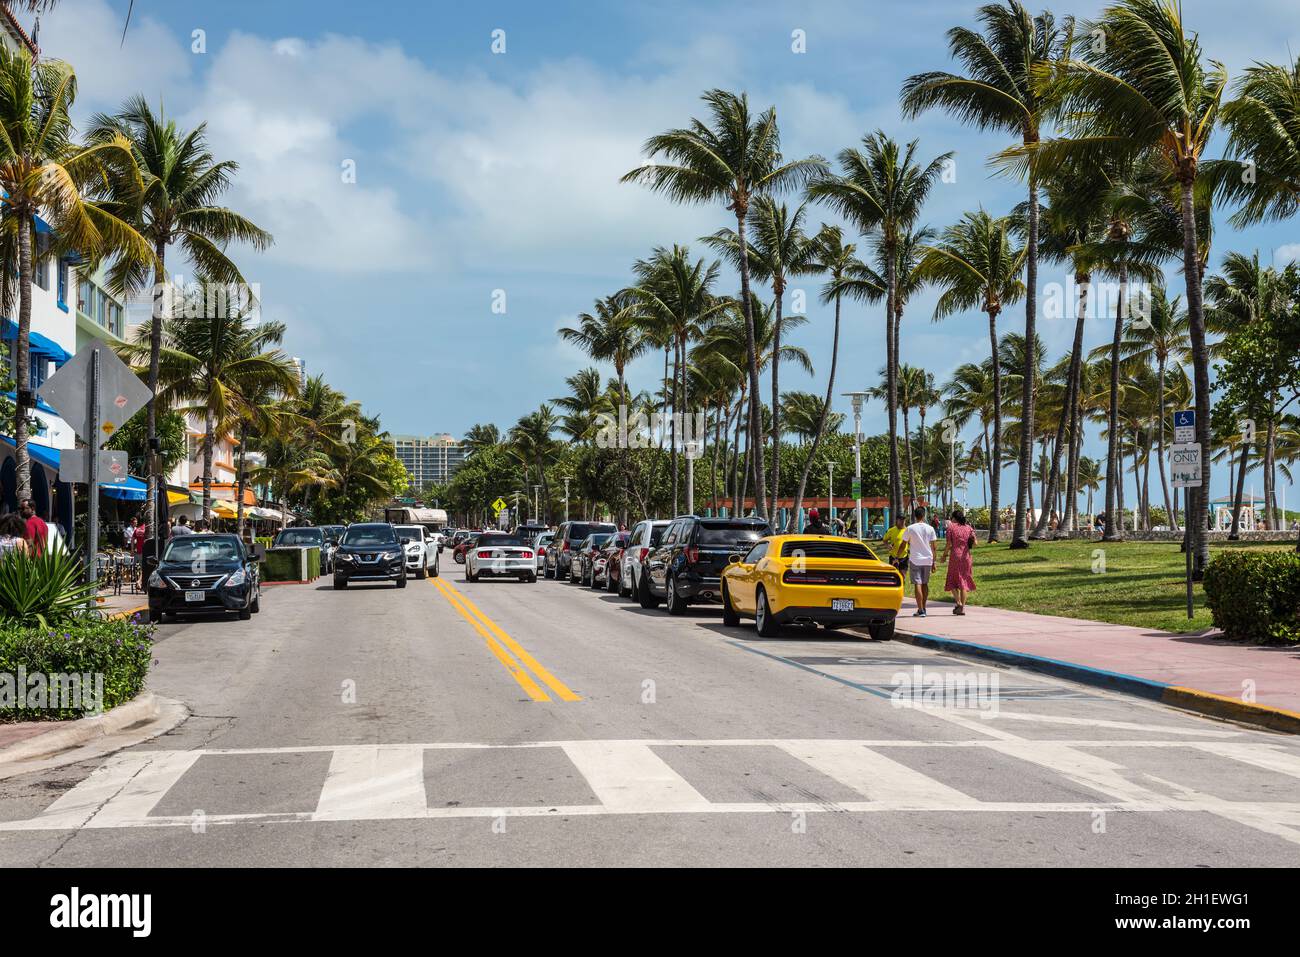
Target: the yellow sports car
(796, 579)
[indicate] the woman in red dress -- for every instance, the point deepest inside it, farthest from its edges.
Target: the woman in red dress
(958, 540)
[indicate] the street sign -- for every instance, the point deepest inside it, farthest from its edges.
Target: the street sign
(499, 504)
(856, 491)
(121, 393)
(74, 466)
(1185, 426)
(1185, 465)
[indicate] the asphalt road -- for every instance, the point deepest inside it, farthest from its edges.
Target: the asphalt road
(452, 723)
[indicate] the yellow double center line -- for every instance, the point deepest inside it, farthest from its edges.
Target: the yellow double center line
(520, 663)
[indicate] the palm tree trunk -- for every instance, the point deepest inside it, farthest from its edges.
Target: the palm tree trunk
(1235, 533)
(207, 465)
(1018, 536)
(907, 444)
(672, 428)
(1067, 410)
(239, 494)
(23, 363)
(777, 305)
(1114, 477)
(755, 418)
(995, 458)
(821, 420)
(161, 311)
(1196, 500)
(891, 381)
(1160, 445)
(1270, 479)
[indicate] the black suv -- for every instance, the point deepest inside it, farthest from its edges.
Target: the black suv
(205, 573)
(559, 556)
(370, 552)
(687, 566)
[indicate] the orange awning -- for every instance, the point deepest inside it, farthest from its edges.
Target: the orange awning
(226, 490)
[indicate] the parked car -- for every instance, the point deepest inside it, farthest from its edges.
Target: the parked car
(610, 566)
(333, 533)
(421, 552)
(821, 579)
(559, 557)
(501, 554)
(205, 574)
(305, 536)
(582, 566)
(370, 552)
(687, 566)
(540, 544)
(643, 539)
(529, 531)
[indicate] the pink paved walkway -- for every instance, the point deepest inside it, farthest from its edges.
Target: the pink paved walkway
(1189, 661)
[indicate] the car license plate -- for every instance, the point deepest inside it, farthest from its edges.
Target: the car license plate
(841, 604)
(194, 596)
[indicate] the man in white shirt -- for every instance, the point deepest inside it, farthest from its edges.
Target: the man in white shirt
(920, 536)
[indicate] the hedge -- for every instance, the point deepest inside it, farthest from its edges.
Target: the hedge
(1255, 596)
(119, 650)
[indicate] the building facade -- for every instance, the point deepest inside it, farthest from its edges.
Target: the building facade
(429, 459)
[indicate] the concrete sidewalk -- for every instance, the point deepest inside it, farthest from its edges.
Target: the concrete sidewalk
(1259, 684)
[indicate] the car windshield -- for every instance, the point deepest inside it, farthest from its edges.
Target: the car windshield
(369, 535)
(657, 533)
(202, 548)
(500, 541)
(300, 536)
(720, 534)
(414, 532)
(580, 530)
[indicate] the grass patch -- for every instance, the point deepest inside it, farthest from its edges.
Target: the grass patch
(1142, 584)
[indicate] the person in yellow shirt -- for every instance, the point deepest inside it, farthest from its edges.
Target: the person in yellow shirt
(897, 546)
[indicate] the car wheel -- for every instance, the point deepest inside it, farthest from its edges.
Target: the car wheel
(401, 579)
(729, 616)
(435, 571)
(256, 606)
(763, 620)
(422, 572)
(245, 614)
(882, 632)
(155, 616)
(645, 596)
(340, 582)
(532, 579)
(674, 603)
(546, 572)
(611, 583)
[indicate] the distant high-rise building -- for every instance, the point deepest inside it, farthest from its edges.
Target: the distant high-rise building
(429, 459)
(301, 366)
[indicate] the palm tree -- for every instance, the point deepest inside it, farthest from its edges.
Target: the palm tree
(735, 160)
(1144, 92)
(969, 395)
(881, 190)
(583, 406)
(174, 203)
(779, 250)
(216, 367)
(837, 259)
(613, 333)
(1264, 131)
(481, 437)
(1090, 478)
(532, 440)
(978, 267)
(1000, 93)
(42, 171)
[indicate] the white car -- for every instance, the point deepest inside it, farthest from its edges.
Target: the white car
(497, 553)
(540, 544)
(421, 551)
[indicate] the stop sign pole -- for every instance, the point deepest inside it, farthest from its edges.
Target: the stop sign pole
(92, 469)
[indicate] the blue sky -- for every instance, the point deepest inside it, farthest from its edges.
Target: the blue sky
(477, 172)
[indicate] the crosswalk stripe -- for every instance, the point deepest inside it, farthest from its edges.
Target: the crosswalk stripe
(373, 783)
(126, 788)
(627, 775)
(1089, 770)
(1264, 756)
(874, 775)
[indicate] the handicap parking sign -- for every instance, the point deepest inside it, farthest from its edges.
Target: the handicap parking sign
(1185, 426)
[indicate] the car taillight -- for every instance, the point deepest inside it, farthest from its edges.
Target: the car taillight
(542, 550)
(692, 554)
(644, 553)
(528, 555)
(483, 554)
(565, 546)
(804, 578)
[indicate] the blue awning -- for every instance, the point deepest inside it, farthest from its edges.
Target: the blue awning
(132, 490)
(41, 454)
(38, 343)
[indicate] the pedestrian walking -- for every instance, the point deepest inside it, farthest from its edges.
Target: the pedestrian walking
(182, 527)
(141, 533)
(920, 537)
(37, 533)
(815, 525)
(957, 544)
(128, 534)
(12, 532)
(893, 540)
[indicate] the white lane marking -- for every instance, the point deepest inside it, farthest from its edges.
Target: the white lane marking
(370, 783)
(1117, 725)
(125, 789)
(627, 774)
(1266, 756)
(878, 777)
(1089, 770)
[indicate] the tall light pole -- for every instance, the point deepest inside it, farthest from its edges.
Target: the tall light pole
(566, 498)
(830, 490)
(536, 510)
(857, 398)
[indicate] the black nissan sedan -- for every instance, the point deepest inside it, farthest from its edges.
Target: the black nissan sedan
(202, 574)
(370, 552)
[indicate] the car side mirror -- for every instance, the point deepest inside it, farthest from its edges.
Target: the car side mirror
(259, 552)
(405, 541)
(734, 559)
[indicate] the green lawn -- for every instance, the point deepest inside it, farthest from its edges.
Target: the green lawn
(1142, 583)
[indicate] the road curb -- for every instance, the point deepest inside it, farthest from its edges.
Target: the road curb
(1189, 699)
(127, 613)
(66, 735)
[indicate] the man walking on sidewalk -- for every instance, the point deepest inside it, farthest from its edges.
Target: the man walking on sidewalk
(919, 538)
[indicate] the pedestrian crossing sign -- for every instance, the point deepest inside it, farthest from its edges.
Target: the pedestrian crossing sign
(499, 504)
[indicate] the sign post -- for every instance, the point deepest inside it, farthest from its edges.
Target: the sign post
(857, 399)
(1185, 473)
(96, 392)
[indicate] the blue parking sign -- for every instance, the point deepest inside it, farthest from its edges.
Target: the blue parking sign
(1185, 418)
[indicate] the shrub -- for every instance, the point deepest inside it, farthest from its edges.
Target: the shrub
(1255, 596)
(118, 650)
(42, 589)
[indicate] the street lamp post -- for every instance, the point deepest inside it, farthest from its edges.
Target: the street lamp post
(566, 497)
(830, 490)
(857, 398)
(536, 509)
